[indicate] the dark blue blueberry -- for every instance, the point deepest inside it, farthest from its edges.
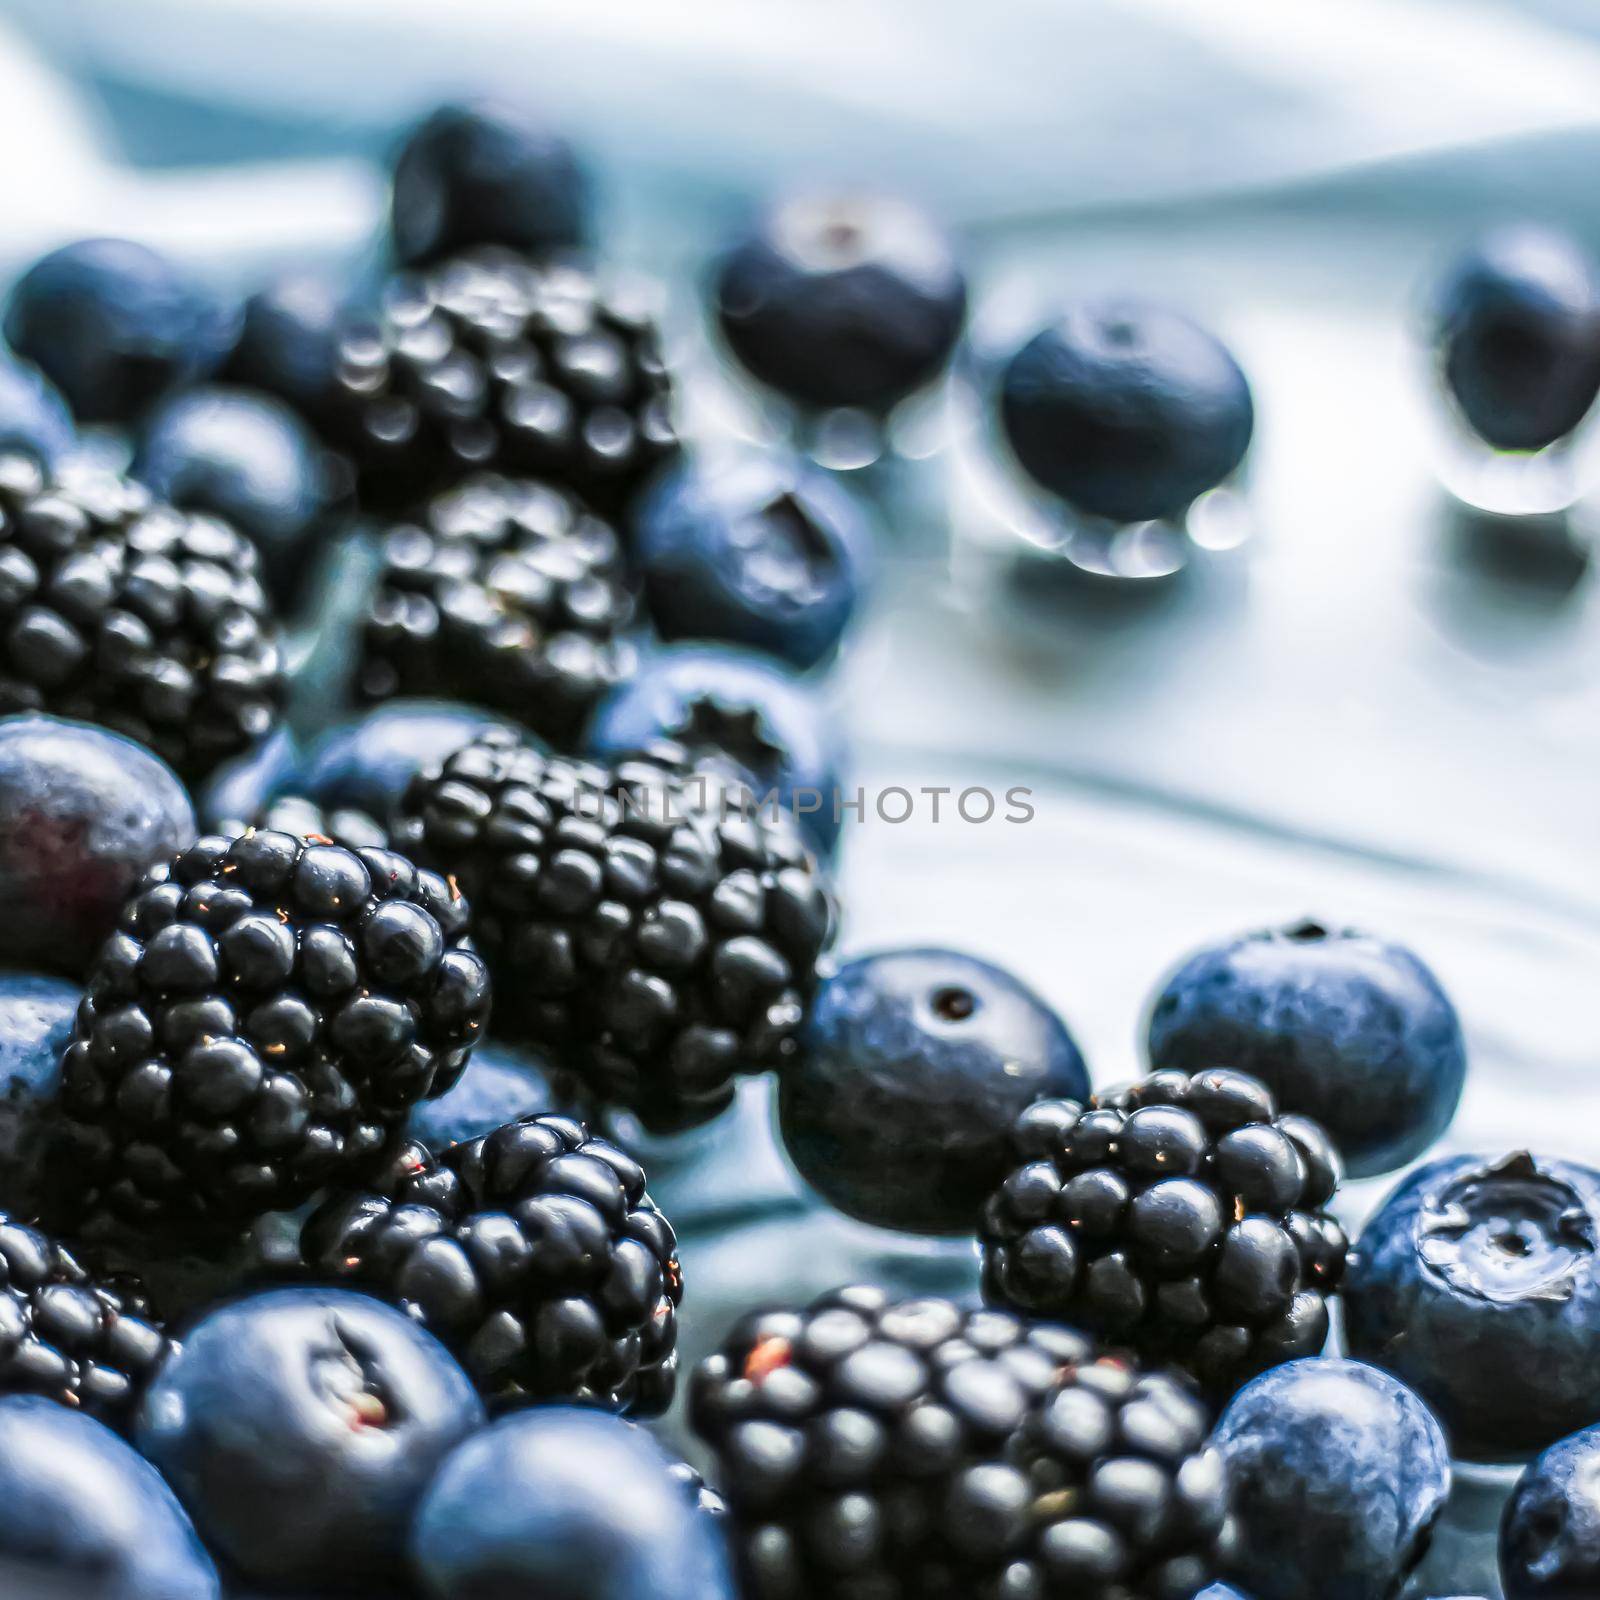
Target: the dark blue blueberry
(1348, 1029)
(1478, 1283)
(761, 715)
(300, 1427)
(83, 814)
(1550, 1531)
(248, 459)
(1517, 334)
(913, 1069)
(241, 789)
(764, 552)
(565, 1504)
(1338, 1473)
(841, 302)
(115, 326)
(1221, 1591)
(32, 415)
(35, 1025)
(84, 1516)
(486, 174)
(1126, 410)
(289, 339)
(498, 1086)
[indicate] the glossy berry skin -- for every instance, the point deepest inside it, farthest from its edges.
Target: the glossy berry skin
(486, 174)
(288, 340)
(249, 460)
(913, 1068)
(33, 416)
(841, 301)
(565, 1504)
(1181, 1216)
(35, 1025)
(498, 1086)
(83, 815)
(300, 1428)
(1478, 1283)
(1550, 1529)
(745, 706)
(83, 1511)
(1338, 1474)
(244, 787)
(1516, 331)
(1126, 410)
(115, 326)
(1349, 1029)
(764, 552)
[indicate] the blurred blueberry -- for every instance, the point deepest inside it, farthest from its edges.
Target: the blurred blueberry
(85, 1516)
(300, 1427)
(486, 174)
(498, 1086)
(289, 338)
(32, 415)
(840, 301)
(764, 552)
(1478, 1283)
(83, 814)
(35, 1024)
(1350, 1030)
(565, 1504)
(115, 326)
(914, 1066)
(250, 460)
(1517, 334)
(1126, 410)
(1550, 1531)
(744, 704)
(1338, 1473)
(240, 790)
(1221, 1591)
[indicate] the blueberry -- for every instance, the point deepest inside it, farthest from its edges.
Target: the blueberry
(288, 340)
(242, 788)
(251, 461)
(835, 301)
(1127, 410)
(486, 174)
(35, 1027)
(765, 553)
(498, 1086)
(1550, 1530)
(1516, 329)
(82, 1510)
(300, 1427)
(32, 415)
(565, 1504)
(1346, 1028)
(1338, 1473)
(913, 1069)
(115, 326)
(83, 814)
(1478, 1283)
(741, 703)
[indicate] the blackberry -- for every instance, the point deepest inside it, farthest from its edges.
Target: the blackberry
(119, 610)
(268, 1011)
(507, 594)
(646, 923)
(872, 1450)
(1181, 1215)
(533, 1252)
(66, 1336)
(491, 361)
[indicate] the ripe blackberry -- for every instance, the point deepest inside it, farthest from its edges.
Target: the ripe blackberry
(533, 1252)
(118, 610)
(506, 594)
(1182, 1216)
(491, 361)
(919, 1451)
(647, 923)
(268, 1011)
(64, 1335)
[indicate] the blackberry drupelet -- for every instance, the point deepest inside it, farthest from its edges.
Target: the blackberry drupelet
(269, 1011)
(491, 361)
(1181, 1216)
(532, 1252)
(505, 593)
(647, 923)
(66, 1336)
(119, 610)
(919, 1451)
